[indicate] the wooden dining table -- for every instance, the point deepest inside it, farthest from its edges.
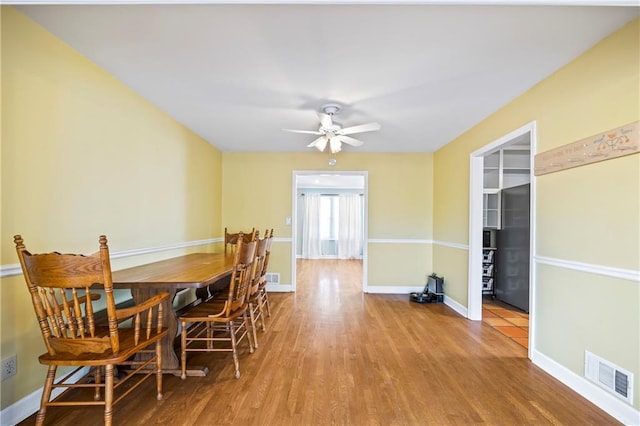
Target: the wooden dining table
(196, 270)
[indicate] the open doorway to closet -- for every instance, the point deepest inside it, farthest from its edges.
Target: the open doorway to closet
(329, 221)
(501, 235)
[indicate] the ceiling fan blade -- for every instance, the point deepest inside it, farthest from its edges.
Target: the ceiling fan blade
(325, 120)
(349, 140)
(310, 132)
(319, 143)
(359, 129)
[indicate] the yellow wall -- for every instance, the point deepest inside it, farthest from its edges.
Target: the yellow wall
(83, 155)
(398, 265)
(400, 194)
(451, 263)
(587, 214)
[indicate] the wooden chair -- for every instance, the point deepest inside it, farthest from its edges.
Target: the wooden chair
(202, 324)
(230, 240)
(262, 287)
(219, 289)
(64, 288)
(256, 308)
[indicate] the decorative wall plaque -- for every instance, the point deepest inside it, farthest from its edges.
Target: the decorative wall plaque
(615, 143)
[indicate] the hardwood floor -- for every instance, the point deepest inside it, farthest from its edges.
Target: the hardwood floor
(333, 355)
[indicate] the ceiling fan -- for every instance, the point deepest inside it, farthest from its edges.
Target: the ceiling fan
(332, 133)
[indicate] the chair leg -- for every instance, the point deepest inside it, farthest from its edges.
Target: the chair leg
(234, 349)
(266, 301)
(183, 350)
(46, 394)
(159, 370)
(246, 326)
(97, 379)
(253, 325)
(263, 323)
(210, 332)
(108, 395)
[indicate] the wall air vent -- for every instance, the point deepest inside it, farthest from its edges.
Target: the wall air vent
(273, 277)
(609, 376)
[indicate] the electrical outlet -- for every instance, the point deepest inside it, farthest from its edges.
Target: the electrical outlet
(9, 367)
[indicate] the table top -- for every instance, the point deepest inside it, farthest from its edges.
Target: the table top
(189, 271)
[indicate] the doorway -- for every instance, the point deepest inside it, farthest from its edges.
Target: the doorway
(477, 222)
(328, 190)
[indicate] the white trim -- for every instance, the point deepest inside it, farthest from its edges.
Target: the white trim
(462, 310)
(625, 274)
(148, 250)
(10, 270)
(474, 264)
(294, 221)
(15, 269)
(299, 256)
(476, 164)
(348, 2)
(391, 289)
(279, 288)
(533, 246)
(30, 404)
(612, 405)
(281, 239)
(397, 241)
(452, 245)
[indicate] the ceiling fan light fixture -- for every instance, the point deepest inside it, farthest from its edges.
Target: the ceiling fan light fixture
(332, 133)
(321, 144)
(335, 145)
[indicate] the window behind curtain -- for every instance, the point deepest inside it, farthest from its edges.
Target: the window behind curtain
(329, 217)
(333, 226)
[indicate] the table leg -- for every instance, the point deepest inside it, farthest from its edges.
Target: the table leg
(170, 360)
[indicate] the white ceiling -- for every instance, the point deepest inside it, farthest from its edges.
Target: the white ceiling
(236, 74)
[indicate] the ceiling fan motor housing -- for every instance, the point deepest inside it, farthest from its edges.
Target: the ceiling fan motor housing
(331, 109)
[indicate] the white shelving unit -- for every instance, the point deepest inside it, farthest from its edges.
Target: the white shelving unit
(488, 266)
(503, 169)
(491, 209)
(515, 166)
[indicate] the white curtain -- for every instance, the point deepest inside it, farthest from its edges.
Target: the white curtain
(350, 226)
(311, 227)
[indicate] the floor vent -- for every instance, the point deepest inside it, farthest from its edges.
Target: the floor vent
(273, 277)
(614, 379)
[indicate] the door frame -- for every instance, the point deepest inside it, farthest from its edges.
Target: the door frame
(294, 218)
(476, 177)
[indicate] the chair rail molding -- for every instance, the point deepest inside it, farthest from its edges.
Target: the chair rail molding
(452, 245)
(398, 241)
(14, 269)
(609, 271)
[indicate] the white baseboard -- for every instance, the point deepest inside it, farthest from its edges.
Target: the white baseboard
(462, 310)
(30, 404)
(610, 404)
(389, 289)
(279, 288)
(20, 410)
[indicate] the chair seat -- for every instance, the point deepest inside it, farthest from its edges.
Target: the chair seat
(127, 349)
(207, 311)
